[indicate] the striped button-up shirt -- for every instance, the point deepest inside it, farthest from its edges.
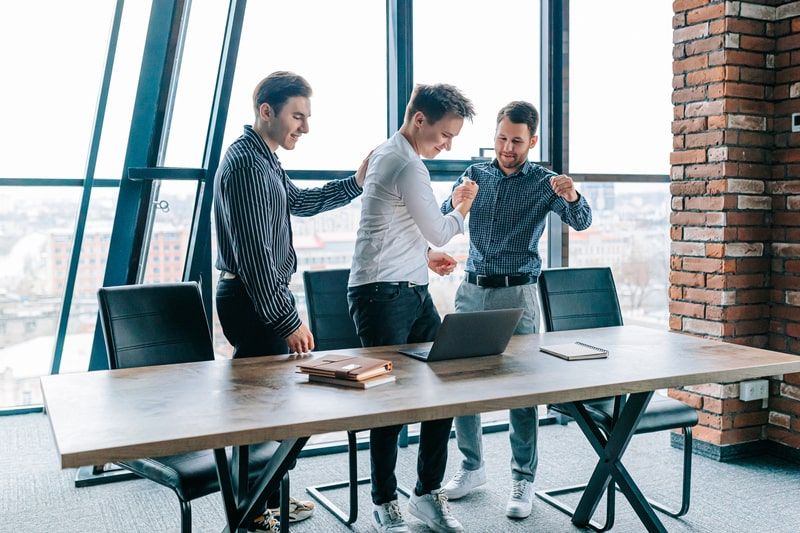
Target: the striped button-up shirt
(253, 198)
(509, 215)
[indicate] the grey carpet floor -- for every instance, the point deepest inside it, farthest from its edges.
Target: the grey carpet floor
(752, 495)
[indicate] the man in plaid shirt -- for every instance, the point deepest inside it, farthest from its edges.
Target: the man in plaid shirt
(506, 222)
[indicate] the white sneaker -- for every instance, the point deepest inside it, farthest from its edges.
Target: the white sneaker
(387, 518)
(434, 511)
(464, 482)
(521, 500)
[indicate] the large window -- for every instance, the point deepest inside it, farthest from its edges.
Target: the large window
(620, 87)
(619, 124)
(489, 50)
(340, 48)
(50, 106)
(53, 74)
(36, 229)
(629, 234)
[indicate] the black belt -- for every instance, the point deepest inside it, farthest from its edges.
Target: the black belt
(499, 280)
(401, 284)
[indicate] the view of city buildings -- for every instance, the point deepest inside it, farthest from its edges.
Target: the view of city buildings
(629, 233)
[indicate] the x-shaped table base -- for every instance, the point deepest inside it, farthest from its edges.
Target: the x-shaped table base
(610, 466)
(241, 505)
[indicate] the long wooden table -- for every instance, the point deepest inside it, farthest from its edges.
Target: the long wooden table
(107, 416)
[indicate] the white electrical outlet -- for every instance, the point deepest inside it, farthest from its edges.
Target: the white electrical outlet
(757, 389)
(795, 122)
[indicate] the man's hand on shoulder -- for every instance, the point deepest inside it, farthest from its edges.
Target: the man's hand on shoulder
(564, 187)
(441, 263)
(301, 340)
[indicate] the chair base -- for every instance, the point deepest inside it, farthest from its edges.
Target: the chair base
(89, 476)
(353, 482)
(346, 518)
(549, 496)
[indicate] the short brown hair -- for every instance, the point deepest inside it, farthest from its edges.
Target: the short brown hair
(435, 101)
(519, 112)
(277, 88)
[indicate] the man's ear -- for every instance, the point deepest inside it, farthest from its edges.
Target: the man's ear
(265, 111)
(418, 118)
(534, 140)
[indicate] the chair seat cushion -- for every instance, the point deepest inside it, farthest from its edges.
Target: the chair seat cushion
(661, 414)
(193, 475)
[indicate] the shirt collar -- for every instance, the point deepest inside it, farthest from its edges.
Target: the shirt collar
(401, 141)
(522, 171)
(251, 135)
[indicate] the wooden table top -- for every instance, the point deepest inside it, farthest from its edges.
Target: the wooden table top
(105, 416)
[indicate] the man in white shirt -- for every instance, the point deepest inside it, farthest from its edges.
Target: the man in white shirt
(388, 286)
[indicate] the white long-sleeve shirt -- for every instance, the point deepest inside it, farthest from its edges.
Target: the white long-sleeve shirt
(399, 217)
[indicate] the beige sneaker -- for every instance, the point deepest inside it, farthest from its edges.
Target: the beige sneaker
(265, 523)
(298, 510)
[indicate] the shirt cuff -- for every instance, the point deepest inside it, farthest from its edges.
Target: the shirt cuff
(286, 325)
(459, 218)
(351, 187)
(577, 202)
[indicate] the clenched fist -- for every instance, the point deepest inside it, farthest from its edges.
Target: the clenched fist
(564, 187)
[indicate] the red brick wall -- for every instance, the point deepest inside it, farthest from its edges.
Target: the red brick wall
(735, 259)
(784, 331)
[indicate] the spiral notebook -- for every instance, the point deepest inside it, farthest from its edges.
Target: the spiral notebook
(575, 351)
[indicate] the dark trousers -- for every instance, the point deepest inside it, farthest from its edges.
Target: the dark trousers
(242, 326)
(386, 314)
(247, 333)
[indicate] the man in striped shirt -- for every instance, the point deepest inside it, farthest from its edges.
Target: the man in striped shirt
(253, 198)
(507, 220)
(388, 286)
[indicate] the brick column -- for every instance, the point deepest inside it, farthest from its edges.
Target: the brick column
(784, 332)
(729, 277)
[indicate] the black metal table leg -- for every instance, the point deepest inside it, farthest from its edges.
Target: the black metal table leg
(239, 514)
(226, 489)
(610, 464)
(241, 466)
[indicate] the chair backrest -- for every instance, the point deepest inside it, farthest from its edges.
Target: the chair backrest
(328, 313)
(160, 324)
(579, 298)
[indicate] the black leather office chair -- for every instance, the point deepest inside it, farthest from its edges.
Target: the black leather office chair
(146, 325)
(582, 298)
(330, 323)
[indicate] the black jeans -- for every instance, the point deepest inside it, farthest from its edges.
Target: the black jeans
(244, 329)
(247, 333)
(387, 314)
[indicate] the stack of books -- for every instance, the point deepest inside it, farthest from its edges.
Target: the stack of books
(348, 371)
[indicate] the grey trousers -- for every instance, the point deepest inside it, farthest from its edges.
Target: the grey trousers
(524, 422)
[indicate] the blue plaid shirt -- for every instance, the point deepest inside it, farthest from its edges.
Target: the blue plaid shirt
(508, 217)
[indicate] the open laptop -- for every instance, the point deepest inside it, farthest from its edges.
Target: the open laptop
(470, 335)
